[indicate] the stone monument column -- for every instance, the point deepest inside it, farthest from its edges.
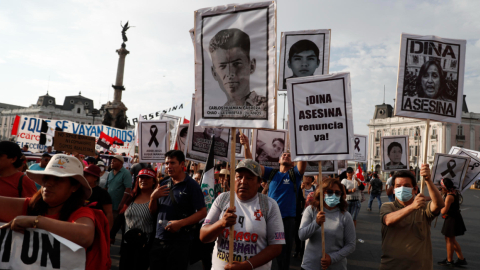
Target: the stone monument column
(122, 53)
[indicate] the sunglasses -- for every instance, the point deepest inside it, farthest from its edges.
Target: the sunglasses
(331, 192)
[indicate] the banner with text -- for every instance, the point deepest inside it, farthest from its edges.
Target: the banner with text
(320, 117)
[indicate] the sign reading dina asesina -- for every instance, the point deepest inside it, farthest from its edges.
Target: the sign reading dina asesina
(320, 117)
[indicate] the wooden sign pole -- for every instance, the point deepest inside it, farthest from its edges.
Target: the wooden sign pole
(233, 133)
(425, 151)
(320, 186)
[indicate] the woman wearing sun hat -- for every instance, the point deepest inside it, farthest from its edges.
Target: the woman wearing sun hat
(57, 207)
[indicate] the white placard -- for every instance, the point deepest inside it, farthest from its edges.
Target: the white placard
(328, 167)
(39, 250)
(430, 78)
(239, 148)
(395, 153)
(153, 140)
(235, 65)
(320, 117)
(268, 146)
(303, 53)
(360, 148)
(455, 149)
(182, 134)
(450, 166)
(473, 171)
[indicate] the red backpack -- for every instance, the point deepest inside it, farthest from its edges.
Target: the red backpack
(98, 254)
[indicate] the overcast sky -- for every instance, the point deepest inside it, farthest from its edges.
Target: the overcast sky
(73, 43)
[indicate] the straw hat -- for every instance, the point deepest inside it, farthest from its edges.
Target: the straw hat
(224, 171)
(63, 166)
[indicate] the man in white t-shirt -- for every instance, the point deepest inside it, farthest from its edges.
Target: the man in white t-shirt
(258, 235)
(389, 187)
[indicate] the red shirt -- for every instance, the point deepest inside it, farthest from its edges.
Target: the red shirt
(9, 186)
(91, 260)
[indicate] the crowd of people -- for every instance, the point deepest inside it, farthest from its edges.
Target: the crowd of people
(164, 221)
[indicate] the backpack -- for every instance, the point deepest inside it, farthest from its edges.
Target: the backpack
(262, 199)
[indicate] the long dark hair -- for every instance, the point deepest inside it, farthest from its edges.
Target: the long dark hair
(328, 183)
(38, 206)
(136, 192)
(423, 70)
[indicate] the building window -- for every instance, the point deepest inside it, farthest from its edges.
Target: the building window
(405, 132)
(379, 133)
(434, 150)
(79, 110)
(460, 130)
(50, 101)
(86, 103)
(411, 150)
(410, 132)
(377, 151)
(434, 131)
(394, 132)
(71, 101)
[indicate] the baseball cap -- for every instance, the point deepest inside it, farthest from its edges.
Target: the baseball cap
(250, 165)
(119, 157)
(63, 166)
(93, 170)
(146, 172)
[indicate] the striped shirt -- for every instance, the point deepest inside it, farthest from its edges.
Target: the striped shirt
(137, 216)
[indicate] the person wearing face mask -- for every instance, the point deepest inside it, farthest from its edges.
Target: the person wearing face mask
(338, 226)
(406, 223)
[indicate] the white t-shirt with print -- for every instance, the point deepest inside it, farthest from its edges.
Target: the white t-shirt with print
(252, 233)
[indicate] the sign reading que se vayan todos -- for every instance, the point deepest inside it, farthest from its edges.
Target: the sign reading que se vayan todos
(303, 53)
(235, 65)
(430, 78)
(320, 117)
(153, 140)
(39, 250)
(450, 166)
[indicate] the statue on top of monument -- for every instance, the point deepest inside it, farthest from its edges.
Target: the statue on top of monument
(124, 31)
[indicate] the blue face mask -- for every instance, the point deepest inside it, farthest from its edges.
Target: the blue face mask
(403, 194)
(332, 200)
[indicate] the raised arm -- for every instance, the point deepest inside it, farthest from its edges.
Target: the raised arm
(394, 217)
(246, 145)
(437, 200)
(302, 166)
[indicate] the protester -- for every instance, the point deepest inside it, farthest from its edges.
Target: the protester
(119, 184)
(25, 148)
(263, 228)
(453, 225)
(41, 165)
(197, 176)
(12, 182)
(174, 218)
(338, 226)
(353, 188)
(224, 179)
(103, 174)
(58, 208)
(406, 242)
(389, 187)
(100, 199)
(375, 190)
(90, 161)
(140, 224)
(24, 167)
(282, 186)
(136, 168)
(49, 150)
(305, 189)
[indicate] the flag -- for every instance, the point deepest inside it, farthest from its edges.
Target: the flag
(47, 132)
(105, 141)
(117, 141)
(208, 179)
(16, 122)
(359, 173)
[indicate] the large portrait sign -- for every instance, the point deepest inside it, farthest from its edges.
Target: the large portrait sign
(394, 153)
(450, 166)
(303, 53)
(235, 65)
(153, 140)
(200, 139)
(239, 148)
(320, 117)
(430, 78)
(268, 146)
(360, 147)
(473, 171)
(174, 121)
(329, 167)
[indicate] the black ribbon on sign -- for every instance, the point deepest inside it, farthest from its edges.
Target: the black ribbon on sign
(476, 164)
(449, 169)
(357, 142)
(153, 133)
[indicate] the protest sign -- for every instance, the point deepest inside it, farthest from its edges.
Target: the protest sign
(450, 166)
(430, 78)
(329, 167)
(153, 140)
(394, 153)
(239, 148)
(303, 53)
(268, 146)
(29, 129)
(320, 117)
(239, 92)
(150, 116)
(473, 171)
(199, 140)
(173, 123)
(69, 142)
(455, 149)
(182, 134)
(38, 249)
(342, 165)
(360, 147)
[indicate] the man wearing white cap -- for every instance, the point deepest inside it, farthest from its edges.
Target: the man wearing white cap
(119, 184)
